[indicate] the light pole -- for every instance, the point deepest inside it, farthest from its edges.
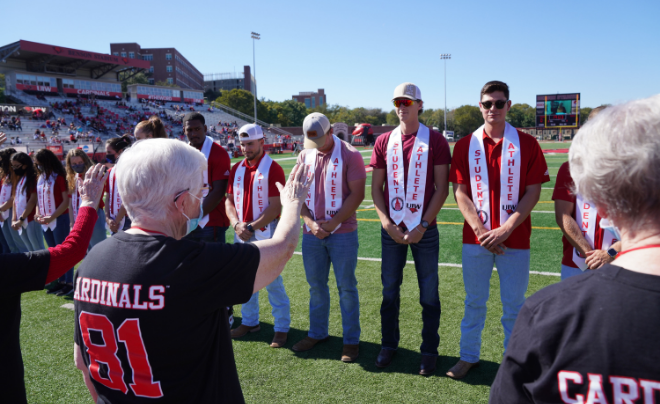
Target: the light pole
(444, 57)
(254, 70)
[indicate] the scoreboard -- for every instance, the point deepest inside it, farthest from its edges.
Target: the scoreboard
(558, 111)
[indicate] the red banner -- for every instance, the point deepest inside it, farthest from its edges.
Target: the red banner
(43, 89)
(58, 150)
(79, 54)
(159, 98)
(191, 100)
(94, 92)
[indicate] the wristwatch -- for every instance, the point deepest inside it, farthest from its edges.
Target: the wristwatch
(425, 224)
(612, 252)
(250, 228)
(20, 219)
(236, 224)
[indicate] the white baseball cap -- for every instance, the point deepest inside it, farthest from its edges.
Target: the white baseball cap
(407, 90)
(250, 131)
(315, 127)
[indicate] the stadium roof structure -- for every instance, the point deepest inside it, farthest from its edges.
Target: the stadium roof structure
(43, 58)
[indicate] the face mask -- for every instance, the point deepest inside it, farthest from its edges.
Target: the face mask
(79, 168)
(605, 224)
(193, 223)
(110, 158)
(19, 171)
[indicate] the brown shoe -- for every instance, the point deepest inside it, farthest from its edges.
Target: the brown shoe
(350, 352)
(385, 357)
(461, 369)
(427, 367)
(307, 344)
(279, 340)
(242, 330)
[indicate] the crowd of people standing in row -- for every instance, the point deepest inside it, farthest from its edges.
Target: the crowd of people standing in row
(169, 206)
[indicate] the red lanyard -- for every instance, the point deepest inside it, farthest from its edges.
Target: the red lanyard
(639, 248)
(149, 231)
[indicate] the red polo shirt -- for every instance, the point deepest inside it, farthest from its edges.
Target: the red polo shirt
(275, 174)
(219, 165)
(562, 192)
(439, 154)
(534, 170)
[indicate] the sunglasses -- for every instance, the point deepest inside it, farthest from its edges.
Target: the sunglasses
(499, 104)
(405, 102)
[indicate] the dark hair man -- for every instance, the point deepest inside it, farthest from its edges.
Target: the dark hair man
(497, 174)
(409, 186)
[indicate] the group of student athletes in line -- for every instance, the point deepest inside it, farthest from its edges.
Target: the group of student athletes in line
(497, 175)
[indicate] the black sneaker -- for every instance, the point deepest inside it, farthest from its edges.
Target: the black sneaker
(65, 291)
(56, 289)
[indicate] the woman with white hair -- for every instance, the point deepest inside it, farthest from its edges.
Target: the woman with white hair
(163, 298)
(593, 337)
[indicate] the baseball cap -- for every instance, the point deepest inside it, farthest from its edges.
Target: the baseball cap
(253, 132)
(407, 90)
(315, 127)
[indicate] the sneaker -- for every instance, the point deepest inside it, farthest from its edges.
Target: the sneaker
(56, 289)
(65, 291)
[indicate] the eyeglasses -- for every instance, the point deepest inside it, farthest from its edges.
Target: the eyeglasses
(405, 102)
(186, 190)
(499, 104)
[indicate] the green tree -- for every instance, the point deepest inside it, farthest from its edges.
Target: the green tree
(522, 116)
(139, 78)
(212, 95)
(466, 120)
(243, 101)
(286, 113)
(392, 118)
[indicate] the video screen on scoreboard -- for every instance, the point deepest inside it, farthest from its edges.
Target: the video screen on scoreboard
(558, 111)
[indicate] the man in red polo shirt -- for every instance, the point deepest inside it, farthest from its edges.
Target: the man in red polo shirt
(253, 207)
(213, 226)
(587, 245)
(497, 174)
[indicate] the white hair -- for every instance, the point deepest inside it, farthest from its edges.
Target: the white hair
(615, 163)
(153, 171)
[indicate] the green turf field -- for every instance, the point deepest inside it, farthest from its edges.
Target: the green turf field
(283, 376)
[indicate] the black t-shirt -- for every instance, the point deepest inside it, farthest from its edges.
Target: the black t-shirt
(593, 335)
(151, 318)
(19, 273)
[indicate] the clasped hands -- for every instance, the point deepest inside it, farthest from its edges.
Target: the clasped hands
(321, 228)
(405, 237)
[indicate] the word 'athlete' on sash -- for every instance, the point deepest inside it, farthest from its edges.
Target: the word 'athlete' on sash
(333, 183)
(259, 194)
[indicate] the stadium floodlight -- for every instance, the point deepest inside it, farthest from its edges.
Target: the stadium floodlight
(444, 57)
(254, 73)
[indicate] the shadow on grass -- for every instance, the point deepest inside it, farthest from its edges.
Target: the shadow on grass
(404, 361)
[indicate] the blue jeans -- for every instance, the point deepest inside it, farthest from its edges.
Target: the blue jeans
(209, 234)
(56, 237)
(33, 236)
(99, 233)
(16, 244)
(567, 272)
(340, 250)
(425, 255)
(277, 297)
(513, 271)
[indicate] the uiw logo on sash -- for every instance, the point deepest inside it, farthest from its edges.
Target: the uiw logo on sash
(509, 175)
(259, 194)
(407, 207)
(333, 182)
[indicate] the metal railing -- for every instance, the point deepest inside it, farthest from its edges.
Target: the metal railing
(248, 118)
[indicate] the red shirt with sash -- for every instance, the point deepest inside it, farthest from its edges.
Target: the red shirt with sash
(275, 174)
(439, 154)
(28, 194)
(534, 170)
(562, 192)
(59, 187)
(219, 165)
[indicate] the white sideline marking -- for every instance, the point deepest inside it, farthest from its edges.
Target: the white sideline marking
(67, 306)
(296, 158)
(445, 264)
(534, 211)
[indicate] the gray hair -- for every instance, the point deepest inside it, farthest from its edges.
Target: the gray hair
(153, 171)
(615, 163)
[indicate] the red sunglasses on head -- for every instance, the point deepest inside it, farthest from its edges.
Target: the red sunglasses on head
(405, 102)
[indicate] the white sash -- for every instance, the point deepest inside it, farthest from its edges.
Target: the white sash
(259, 194)
(413, 199)
(75, 199)
(333, 183)
(115, 199)
(5, 194)
(20, 203)
(585, 216)
(509, 175)
(206, 150)
(46, 199)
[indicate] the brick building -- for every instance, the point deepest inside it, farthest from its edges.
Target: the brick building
(167, 64)
(229, 81)
(312, 99)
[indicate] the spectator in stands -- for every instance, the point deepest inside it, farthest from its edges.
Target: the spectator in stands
(25, 201)
(77, 164)
(52, 209)
(153, 128)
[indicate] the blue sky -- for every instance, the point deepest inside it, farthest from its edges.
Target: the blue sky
(359, 51)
